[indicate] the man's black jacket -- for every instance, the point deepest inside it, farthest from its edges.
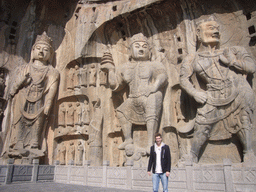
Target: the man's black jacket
(165, 159)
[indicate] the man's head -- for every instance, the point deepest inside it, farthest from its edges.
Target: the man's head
(158, 138)
(208, 32)
(42, 49)
(140, 48)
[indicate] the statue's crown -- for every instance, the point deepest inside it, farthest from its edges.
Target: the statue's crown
(138, 37)
(44, 39)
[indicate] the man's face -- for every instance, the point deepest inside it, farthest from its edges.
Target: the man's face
(42, 52)
(158, 140)
(140, 51)
(208, 32)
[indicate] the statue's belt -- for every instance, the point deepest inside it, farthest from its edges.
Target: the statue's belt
(221, 101)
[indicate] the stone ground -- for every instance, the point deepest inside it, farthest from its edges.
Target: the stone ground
(56, 187)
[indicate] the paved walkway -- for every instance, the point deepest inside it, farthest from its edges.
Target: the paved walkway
(56, 187)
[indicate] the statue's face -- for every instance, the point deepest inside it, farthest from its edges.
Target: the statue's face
(208, 32)
(41, 52)
(140, 51)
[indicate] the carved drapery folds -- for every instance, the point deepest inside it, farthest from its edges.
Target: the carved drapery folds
(128, 71)
(31, 96)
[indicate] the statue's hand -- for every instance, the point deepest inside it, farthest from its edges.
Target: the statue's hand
(151, 89)
(228, 58)
(200, 97)
(107, 62)
(107, 67)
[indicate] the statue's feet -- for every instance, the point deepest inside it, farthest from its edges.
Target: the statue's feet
(18, 145)
(126, 142)
(249, 158)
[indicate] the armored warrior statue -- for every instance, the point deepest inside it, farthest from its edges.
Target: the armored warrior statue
(146, 80)
(226, 106)
(33, 92)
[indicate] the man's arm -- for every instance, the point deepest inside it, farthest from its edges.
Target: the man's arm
(150, 161)
(168, 158)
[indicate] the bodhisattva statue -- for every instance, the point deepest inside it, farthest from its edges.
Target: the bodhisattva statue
(226, 105)
(146, 80)
(33, 92)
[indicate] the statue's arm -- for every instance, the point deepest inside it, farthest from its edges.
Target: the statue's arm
(186, 72)
(238, 58)
(51, 94)
(160, 81)
(22, 79)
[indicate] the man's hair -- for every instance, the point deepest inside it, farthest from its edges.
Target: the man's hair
(158, 135)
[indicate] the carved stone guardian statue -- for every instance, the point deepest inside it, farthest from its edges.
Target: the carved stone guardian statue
(146, 80)
(226, 106)
(33, 92)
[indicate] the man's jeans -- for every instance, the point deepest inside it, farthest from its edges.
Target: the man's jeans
(156, 178)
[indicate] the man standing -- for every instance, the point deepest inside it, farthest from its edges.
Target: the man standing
(160, 162)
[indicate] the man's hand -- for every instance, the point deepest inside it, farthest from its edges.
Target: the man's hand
(149, 173)
(167, 173)
(200, 97)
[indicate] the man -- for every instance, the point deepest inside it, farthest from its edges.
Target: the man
(226, 105)
(160, 163)
(146, 80)
(33, 93)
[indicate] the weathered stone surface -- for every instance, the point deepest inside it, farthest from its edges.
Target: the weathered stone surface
(88, 35)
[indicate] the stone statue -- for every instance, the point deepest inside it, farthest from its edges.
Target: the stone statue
(92, 75)
(136, 155)
(86, 113)
(80, 152)
(78, 114)
(95, 135)
(77, 77)
(84, 76)
(62, 154)
(70, 79)
(62, 115)
(226, 106)
(146, 80)
(33, 92)
(70, 115)
(103, 77)
(2, 83)
(71, 151)
(179, 106)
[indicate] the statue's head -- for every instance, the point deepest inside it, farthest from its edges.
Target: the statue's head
(140, 49)
(42, 49)
(76, 67)
(207, 31)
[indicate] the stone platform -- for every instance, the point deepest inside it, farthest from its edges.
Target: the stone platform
(226, 177)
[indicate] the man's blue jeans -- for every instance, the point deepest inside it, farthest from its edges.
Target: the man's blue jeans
(156, 178)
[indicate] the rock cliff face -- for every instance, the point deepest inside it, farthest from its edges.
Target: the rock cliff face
(92, 38)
